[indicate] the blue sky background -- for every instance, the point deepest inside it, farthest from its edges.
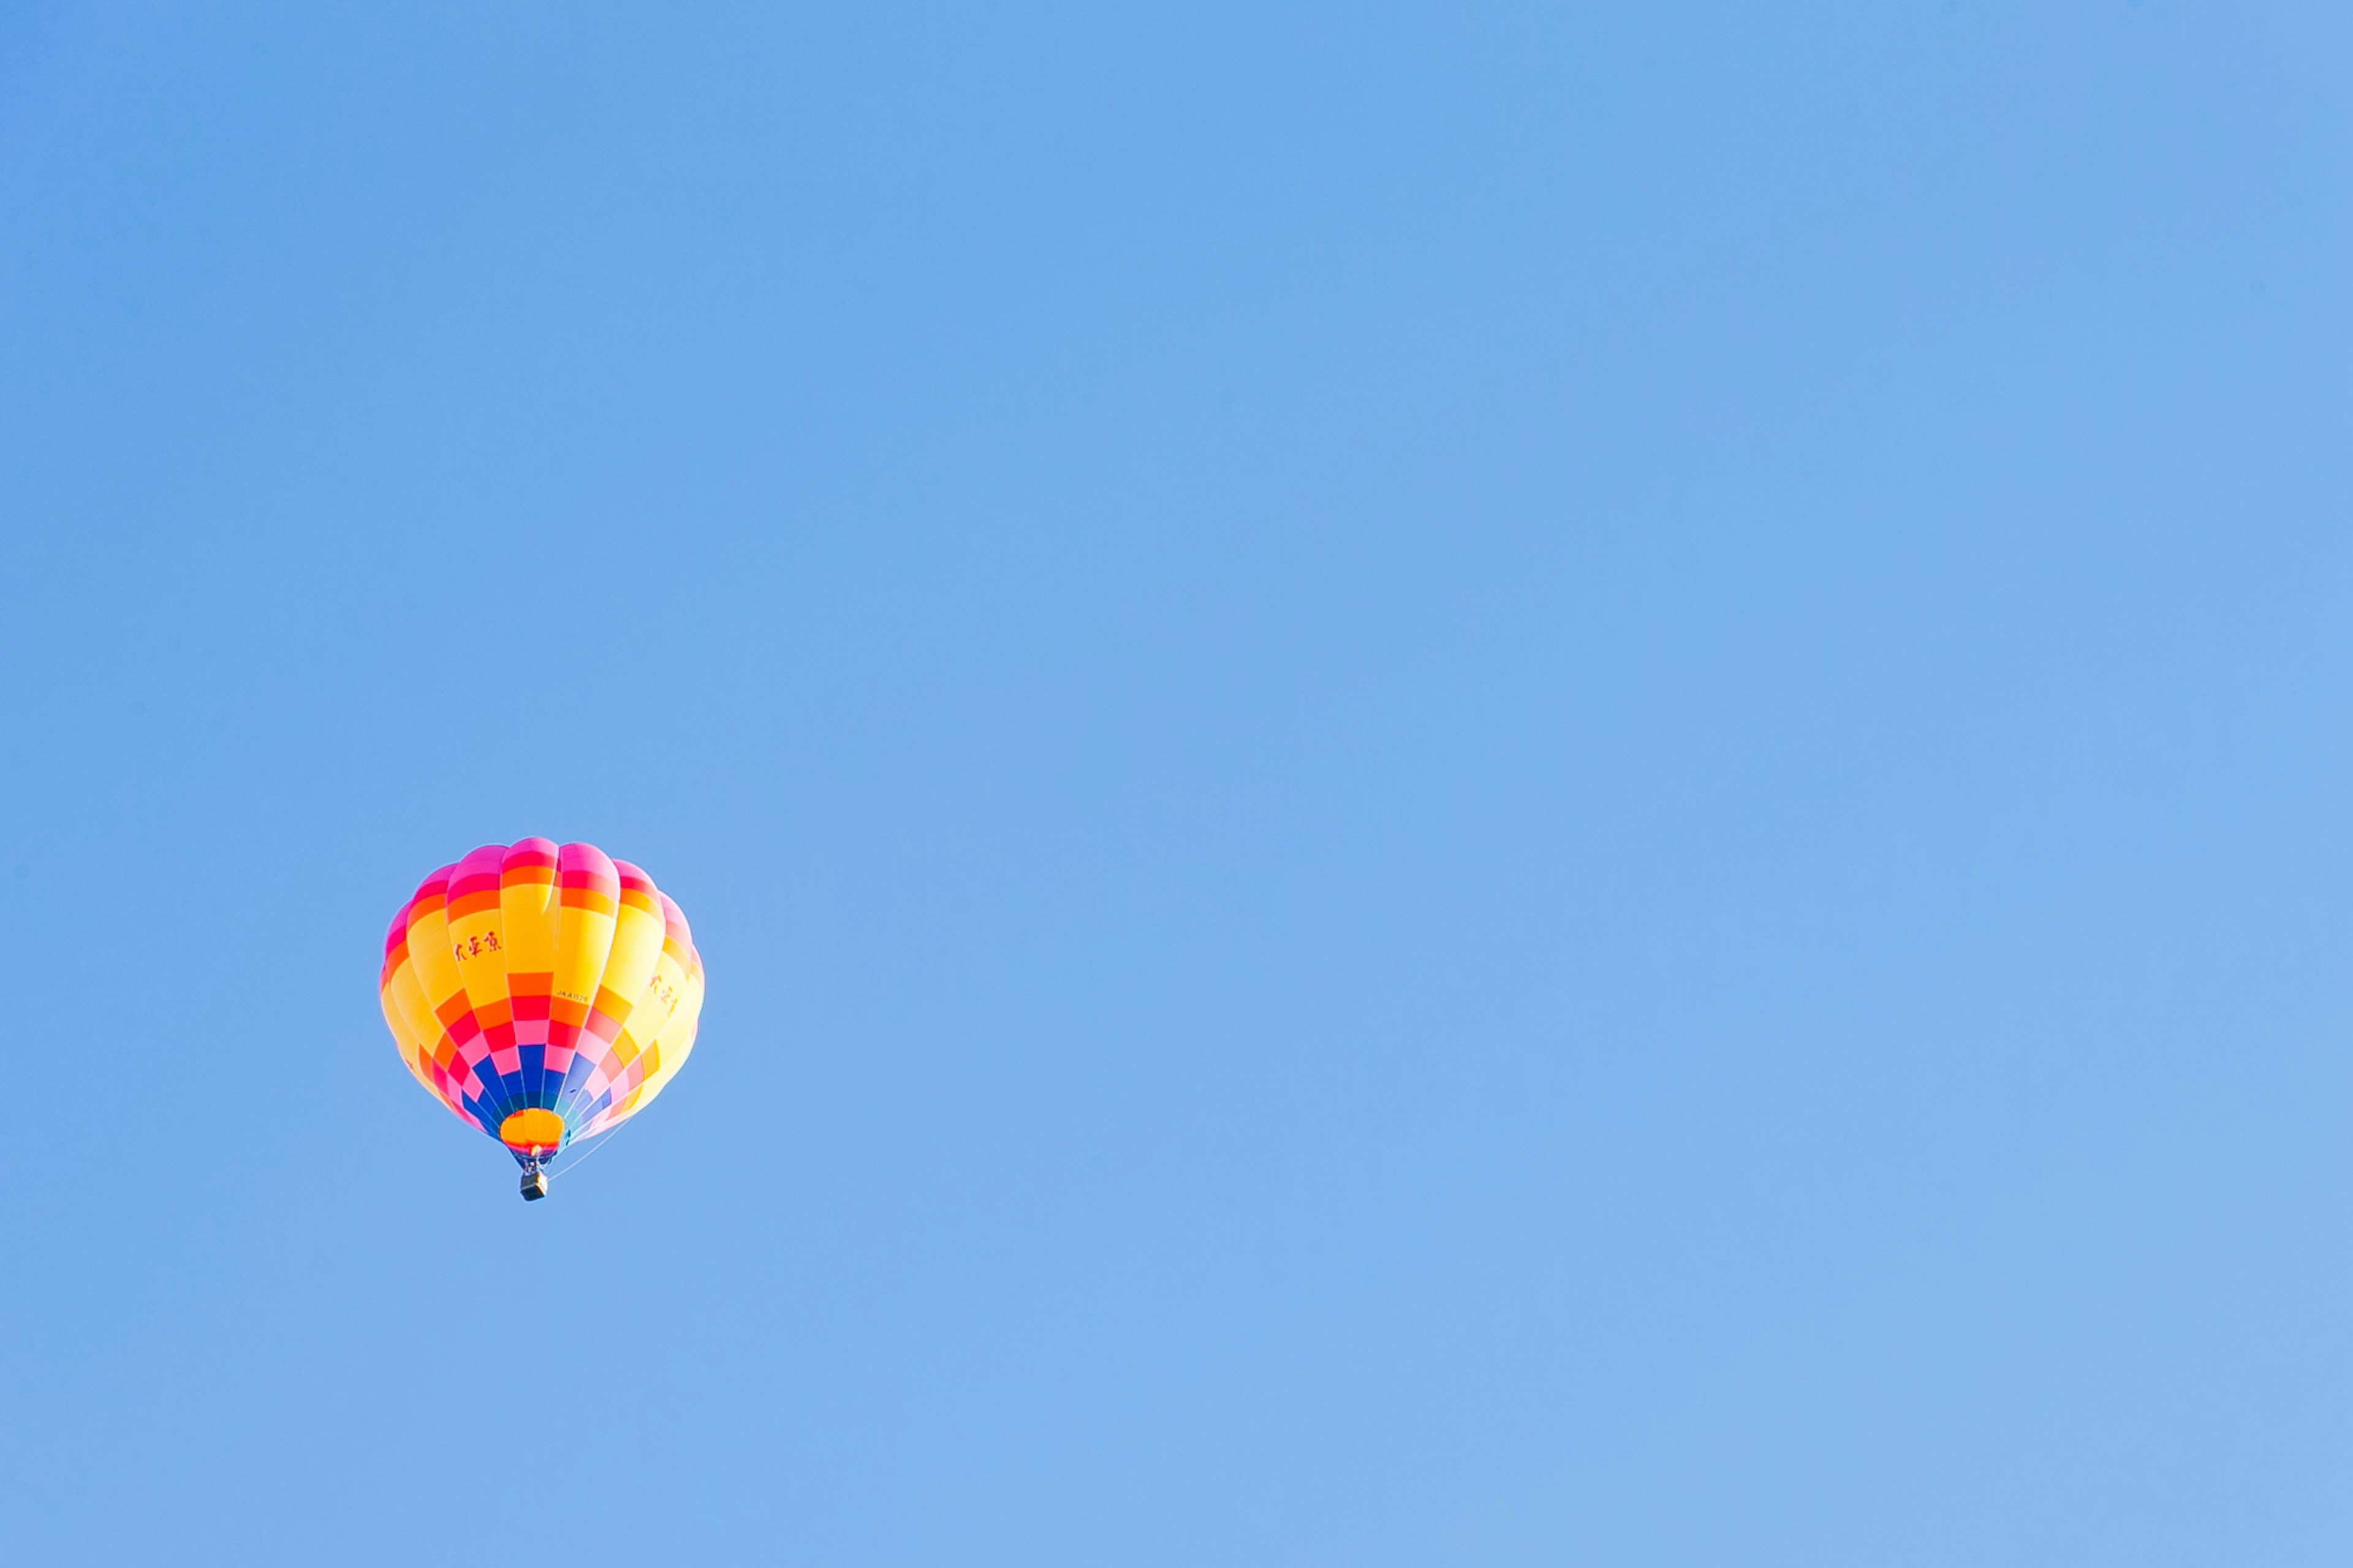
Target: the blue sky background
(1481, 784)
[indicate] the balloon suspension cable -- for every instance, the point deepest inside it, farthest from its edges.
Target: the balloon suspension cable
(603, 1139)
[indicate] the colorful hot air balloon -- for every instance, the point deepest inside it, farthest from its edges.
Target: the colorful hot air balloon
(543, 995)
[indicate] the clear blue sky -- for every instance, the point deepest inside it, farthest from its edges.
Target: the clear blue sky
(1502, 786)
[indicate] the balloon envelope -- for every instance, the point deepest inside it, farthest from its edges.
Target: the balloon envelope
(542, 994)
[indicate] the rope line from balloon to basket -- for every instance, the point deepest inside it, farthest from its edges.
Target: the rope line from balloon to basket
(595, 1146)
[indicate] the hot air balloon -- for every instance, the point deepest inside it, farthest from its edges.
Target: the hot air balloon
(544, 995)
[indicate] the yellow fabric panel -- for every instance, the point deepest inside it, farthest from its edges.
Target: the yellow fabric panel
(405, 1010)
(675, 1042)
(411, 1016)
(428, 956)
(529, 911)
(433, 1040)
(477, 934)
(666, 1066)
(657, 1002)
(400, 1036)
(583, 940)
(636, 945)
